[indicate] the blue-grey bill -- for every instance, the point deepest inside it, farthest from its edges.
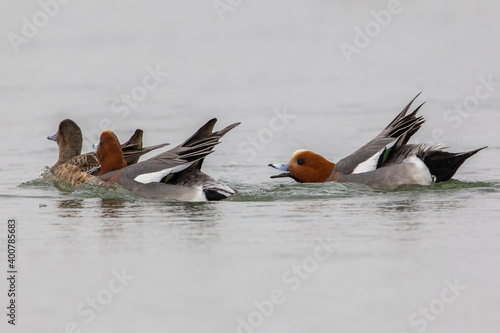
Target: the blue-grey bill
(95, 146)
(282, 167)
(52, 137)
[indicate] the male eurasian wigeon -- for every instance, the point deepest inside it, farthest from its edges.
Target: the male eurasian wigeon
(385, 162)
(174, 174)
(73, 168)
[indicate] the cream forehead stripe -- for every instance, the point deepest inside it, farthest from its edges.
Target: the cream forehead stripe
(298, 152)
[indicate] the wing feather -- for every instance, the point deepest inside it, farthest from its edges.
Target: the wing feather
(394, 136)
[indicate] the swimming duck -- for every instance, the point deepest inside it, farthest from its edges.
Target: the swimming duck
(71, 163)
(385, 162)
(174, 174)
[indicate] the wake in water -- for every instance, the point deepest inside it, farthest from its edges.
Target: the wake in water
(269, 192)
(323, 191)
(49, 181)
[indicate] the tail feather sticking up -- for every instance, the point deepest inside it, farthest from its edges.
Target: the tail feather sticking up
(444, 165)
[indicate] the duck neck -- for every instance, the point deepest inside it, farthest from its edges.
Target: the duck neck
(329, 171)
(67, 152)
(332, 177)
(113, 160)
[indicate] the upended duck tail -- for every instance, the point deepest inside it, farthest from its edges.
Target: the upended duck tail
(443, 165)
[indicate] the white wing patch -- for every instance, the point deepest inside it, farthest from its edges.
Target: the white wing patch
(371, 163)
(155, 177)
(368, 165)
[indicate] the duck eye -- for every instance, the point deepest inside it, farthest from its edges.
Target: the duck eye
(300, 161)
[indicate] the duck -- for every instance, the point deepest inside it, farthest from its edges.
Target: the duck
(75, 168)
(386, 162)
(172, 175)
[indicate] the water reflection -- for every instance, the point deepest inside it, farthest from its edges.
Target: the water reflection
(112, 207)
(192, 211)
(399, 206)
(70, 207)
(191, 225)
(315, 207)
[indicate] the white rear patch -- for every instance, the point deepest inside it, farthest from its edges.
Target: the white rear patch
(421, 175)
(200, 195)
(155, 177)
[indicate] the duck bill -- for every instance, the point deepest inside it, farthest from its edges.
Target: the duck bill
(282, 167)
(95, 146)
(52, 137)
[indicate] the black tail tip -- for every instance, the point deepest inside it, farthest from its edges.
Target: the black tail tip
(444, 165)
(214, 195)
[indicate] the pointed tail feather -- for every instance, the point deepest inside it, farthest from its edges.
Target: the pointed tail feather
(404, 126)
(415, 128)
(202, 133)
(403, 129)
(133, 148)
(205, 135)
(444, 165)
(223, 132)
(132, 155)
(206, 132)
(135, 141)
(402, 114)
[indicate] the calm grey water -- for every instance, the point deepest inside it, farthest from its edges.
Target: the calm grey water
(280, 256)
